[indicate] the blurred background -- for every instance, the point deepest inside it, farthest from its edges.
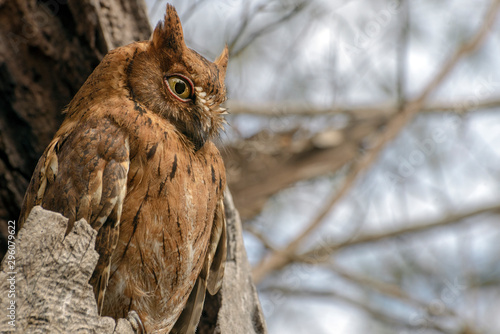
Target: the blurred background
(362, 149)
(356, 223)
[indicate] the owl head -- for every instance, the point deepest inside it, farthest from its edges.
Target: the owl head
(179, 84)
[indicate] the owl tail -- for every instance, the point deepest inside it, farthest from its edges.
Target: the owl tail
(190, 316)
(210, 278)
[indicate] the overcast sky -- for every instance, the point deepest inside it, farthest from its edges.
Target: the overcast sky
(344, 53)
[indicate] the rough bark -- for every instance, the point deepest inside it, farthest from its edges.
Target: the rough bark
(48, 280)
(236, 308)
(52, 294)
(269, 162)
(47, 50)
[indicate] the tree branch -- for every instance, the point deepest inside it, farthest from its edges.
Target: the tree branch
(281, 257)
(50, 271)
(323, 251)
(266, 29)
(375, 312)
(358, 112)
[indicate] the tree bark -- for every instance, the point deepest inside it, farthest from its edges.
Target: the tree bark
(45, 274)
(44, 279)
(269, 162)
(236, 308)
(47, 50)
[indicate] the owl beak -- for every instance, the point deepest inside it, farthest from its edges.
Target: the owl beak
(200, 138)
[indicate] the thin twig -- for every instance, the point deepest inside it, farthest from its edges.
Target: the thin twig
(280, 258)
(191, 10)
(419, 227)
(387, 289)
(297, 109)
(243, 26)
(376, 313)
(268, 28)
(263, 239)
(402, 56)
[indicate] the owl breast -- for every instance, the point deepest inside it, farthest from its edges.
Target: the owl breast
(172, 192)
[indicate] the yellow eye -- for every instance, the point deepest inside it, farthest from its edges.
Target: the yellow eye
(180, 87)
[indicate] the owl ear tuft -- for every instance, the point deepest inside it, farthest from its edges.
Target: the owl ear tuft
(221, 61)
(168, 33)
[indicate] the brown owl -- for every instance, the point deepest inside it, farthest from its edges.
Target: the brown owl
(134, 158)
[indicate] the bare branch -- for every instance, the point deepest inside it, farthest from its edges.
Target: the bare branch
(264, 164)
(359, 112)
(263, 239)
(402, 56)
(281, 257)
(388, 289)
(191, 10)
(418, 227)
(266, 29)
(375, 312)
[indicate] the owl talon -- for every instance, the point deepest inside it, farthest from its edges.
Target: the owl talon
(136, 322)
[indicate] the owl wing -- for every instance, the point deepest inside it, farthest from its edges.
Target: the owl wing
(83, 174)
(217, 251)
(210, 277)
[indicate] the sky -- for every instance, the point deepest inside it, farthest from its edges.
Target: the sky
(344, 53)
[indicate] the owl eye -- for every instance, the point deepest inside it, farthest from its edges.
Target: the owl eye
(180, 87)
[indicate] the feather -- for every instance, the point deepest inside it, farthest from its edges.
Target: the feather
(140, 167)
(83, 178)
(210, 276)
(217, 255)
(190, 316)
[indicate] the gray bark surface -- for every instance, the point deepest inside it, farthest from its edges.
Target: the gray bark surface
(47, 50)
(236, 307)
(52, 294)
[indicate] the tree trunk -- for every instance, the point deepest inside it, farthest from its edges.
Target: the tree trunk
(44, 282)
(47, 50)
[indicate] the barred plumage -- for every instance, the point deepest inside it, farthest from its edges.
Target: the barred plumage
(134, 158)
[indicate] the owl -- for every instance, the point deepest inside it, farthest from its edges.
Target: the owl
(134, 157)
